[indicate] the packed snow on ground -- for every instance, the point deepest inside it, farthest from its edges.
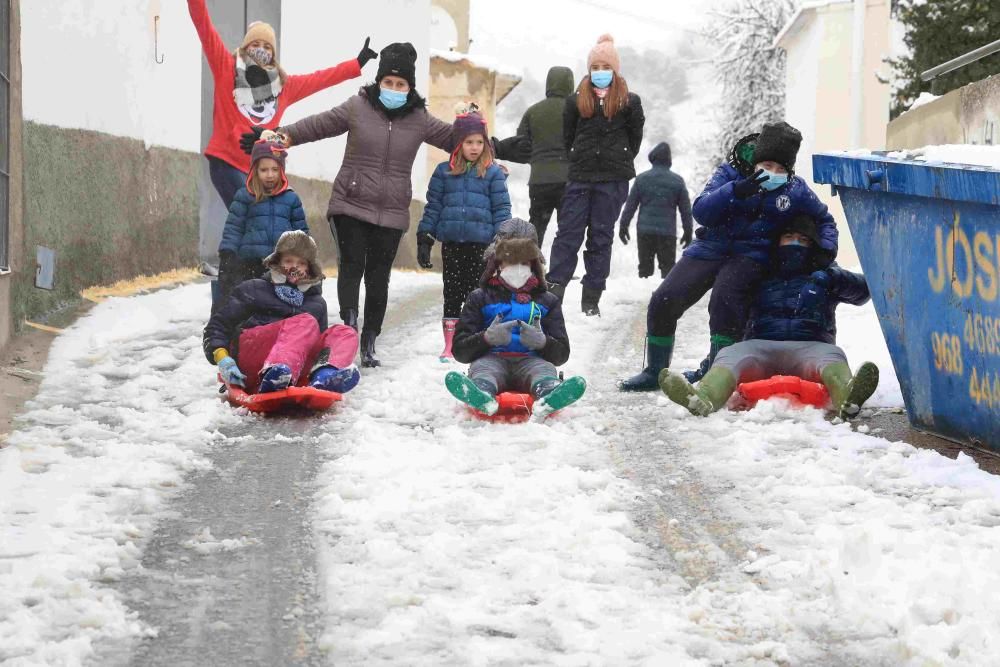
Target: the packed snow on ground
(447, 539)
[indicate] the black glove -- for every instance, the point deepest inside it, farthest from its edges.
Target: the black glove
(624, 235)
(424, 244)
(748, 187)
(366, 54)
(248, 139)
(686, 238)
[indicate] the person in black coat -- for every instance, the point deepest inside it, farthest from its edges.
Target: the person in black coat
(271, 329)
(658, 194)
(602, 127)
(792, 330)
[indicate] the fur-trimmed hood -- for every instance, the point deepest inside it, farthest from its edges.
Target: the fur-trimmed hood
(302, 245)
(515, 251)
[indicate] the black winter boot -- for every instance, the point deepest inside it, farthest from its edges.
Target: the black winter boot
(350, 317)
(558, 290)
(589, 301)
(368, 358)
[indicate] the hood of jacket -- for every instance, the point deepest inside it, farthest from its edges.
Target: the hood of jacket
(661, 156)
(559, 82)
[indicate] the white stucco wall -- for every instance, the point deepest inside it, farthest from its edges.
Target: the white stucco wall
(315, 35)
(89, 64)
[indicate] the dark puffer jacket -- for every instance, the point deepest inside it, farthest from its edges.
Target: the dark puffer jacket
(465, 208)
(804, 307)
(253, 227)
(602, 149)
(485, 303)
(731, 226)
(658, 194)
(539, 138)
(373, 184)
(252, 304)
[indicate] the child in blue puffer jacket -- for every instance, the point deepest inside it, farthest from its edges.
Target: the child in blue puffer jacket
(466, 200)
(261, 212)
(738, 213)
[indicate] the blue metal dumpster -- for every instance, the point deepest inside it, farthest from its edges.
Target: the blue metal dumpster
(928, 237)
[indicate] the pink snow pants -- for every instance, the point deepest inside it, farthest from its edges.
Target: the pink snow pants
(297, 343)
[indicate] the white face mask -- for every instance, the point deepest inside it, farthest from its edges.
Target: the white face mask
(516, 275)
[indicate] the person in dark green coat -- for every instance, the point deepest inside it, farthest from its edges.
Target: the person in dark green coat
(539, 141)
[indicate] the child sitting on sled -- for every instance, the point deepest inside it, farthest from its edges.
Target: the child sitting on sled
(513, 334)
(261, 211)
(792, 331)
(272, 332)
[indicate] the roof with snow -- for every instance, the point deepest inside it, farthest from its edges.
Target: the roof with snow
(801, 15)
(483, 62)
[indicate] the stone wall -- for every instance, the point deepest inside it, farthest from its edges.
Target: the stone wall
(969, 115)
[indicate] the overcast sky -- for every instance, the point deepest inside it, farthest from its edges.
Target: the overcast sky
(523, 32)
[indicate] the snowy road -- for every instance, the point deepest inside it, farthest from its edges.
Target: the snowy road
(141, 522)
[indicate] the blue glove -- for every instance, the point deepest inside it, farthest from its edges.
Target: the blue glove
(821, 278)
(812, 296)
(231, 373)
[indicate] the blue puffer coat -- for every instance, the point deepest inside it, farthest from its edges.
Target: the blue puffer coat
(804, 307)
(731, 226)
(465, 208)
(253, 228)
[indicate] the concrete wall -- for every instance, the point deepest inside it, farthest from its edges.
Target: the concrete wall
(969, 115)
(18, 263)
(109, 206)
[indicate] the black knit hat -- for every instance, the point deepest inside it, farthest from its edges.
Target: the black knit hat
(778, 142)
(800, 224)
(398, 59)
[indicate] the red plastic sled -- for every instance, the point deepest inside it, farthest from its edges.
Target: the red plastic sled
(798, 390)
(513, 407)
(308, 398)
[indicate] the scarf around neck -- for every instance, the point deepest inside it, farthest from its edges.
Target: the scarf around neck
(258, 100)
(523, 293)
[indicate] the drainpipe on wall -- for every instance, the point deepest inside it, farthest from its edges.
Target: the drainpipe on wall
(857, 74)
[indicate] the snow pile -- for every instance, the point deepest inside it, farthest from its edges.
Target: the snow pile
(968, 154)
(924, 99)
(204, 543)
(125, 410)
(892, 546)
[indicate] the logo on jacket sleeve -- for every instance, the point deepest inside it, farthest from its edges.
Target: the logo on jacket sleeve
(784, 202)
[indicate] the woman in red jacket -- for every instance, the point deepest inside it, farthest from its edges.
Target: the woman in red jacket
(253, 91)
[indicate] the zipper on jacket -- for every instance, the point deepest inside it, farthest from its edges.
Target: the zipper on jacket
(385, 165)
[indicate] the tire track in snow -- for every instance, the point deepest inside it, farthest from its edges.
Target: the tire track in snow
(229, 578)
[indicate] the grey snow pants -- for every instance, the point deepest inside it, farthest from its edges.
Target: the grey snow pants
(757, 359)
(517, 374)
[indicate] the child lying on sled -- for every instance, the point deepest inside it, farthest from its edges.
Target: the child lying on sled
(792, 331)
(271, 329)
(513, 334)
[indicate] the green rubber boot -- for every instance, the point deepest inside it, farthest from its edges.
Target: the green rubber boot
(479, 396)
(551, 399)
(710, 394)
(849, 392)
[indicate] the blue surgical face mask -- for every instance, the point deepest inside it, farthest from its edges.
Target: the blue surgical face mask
(774, 181)
(601, 78)
(392, 99)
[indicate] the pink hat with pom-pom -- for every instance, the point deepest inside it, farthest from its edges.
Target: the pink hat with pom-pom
(604, 51)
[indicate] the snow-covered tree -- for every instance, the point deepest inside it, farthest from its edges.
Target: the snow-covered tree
(936, 32)
(749, 72)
